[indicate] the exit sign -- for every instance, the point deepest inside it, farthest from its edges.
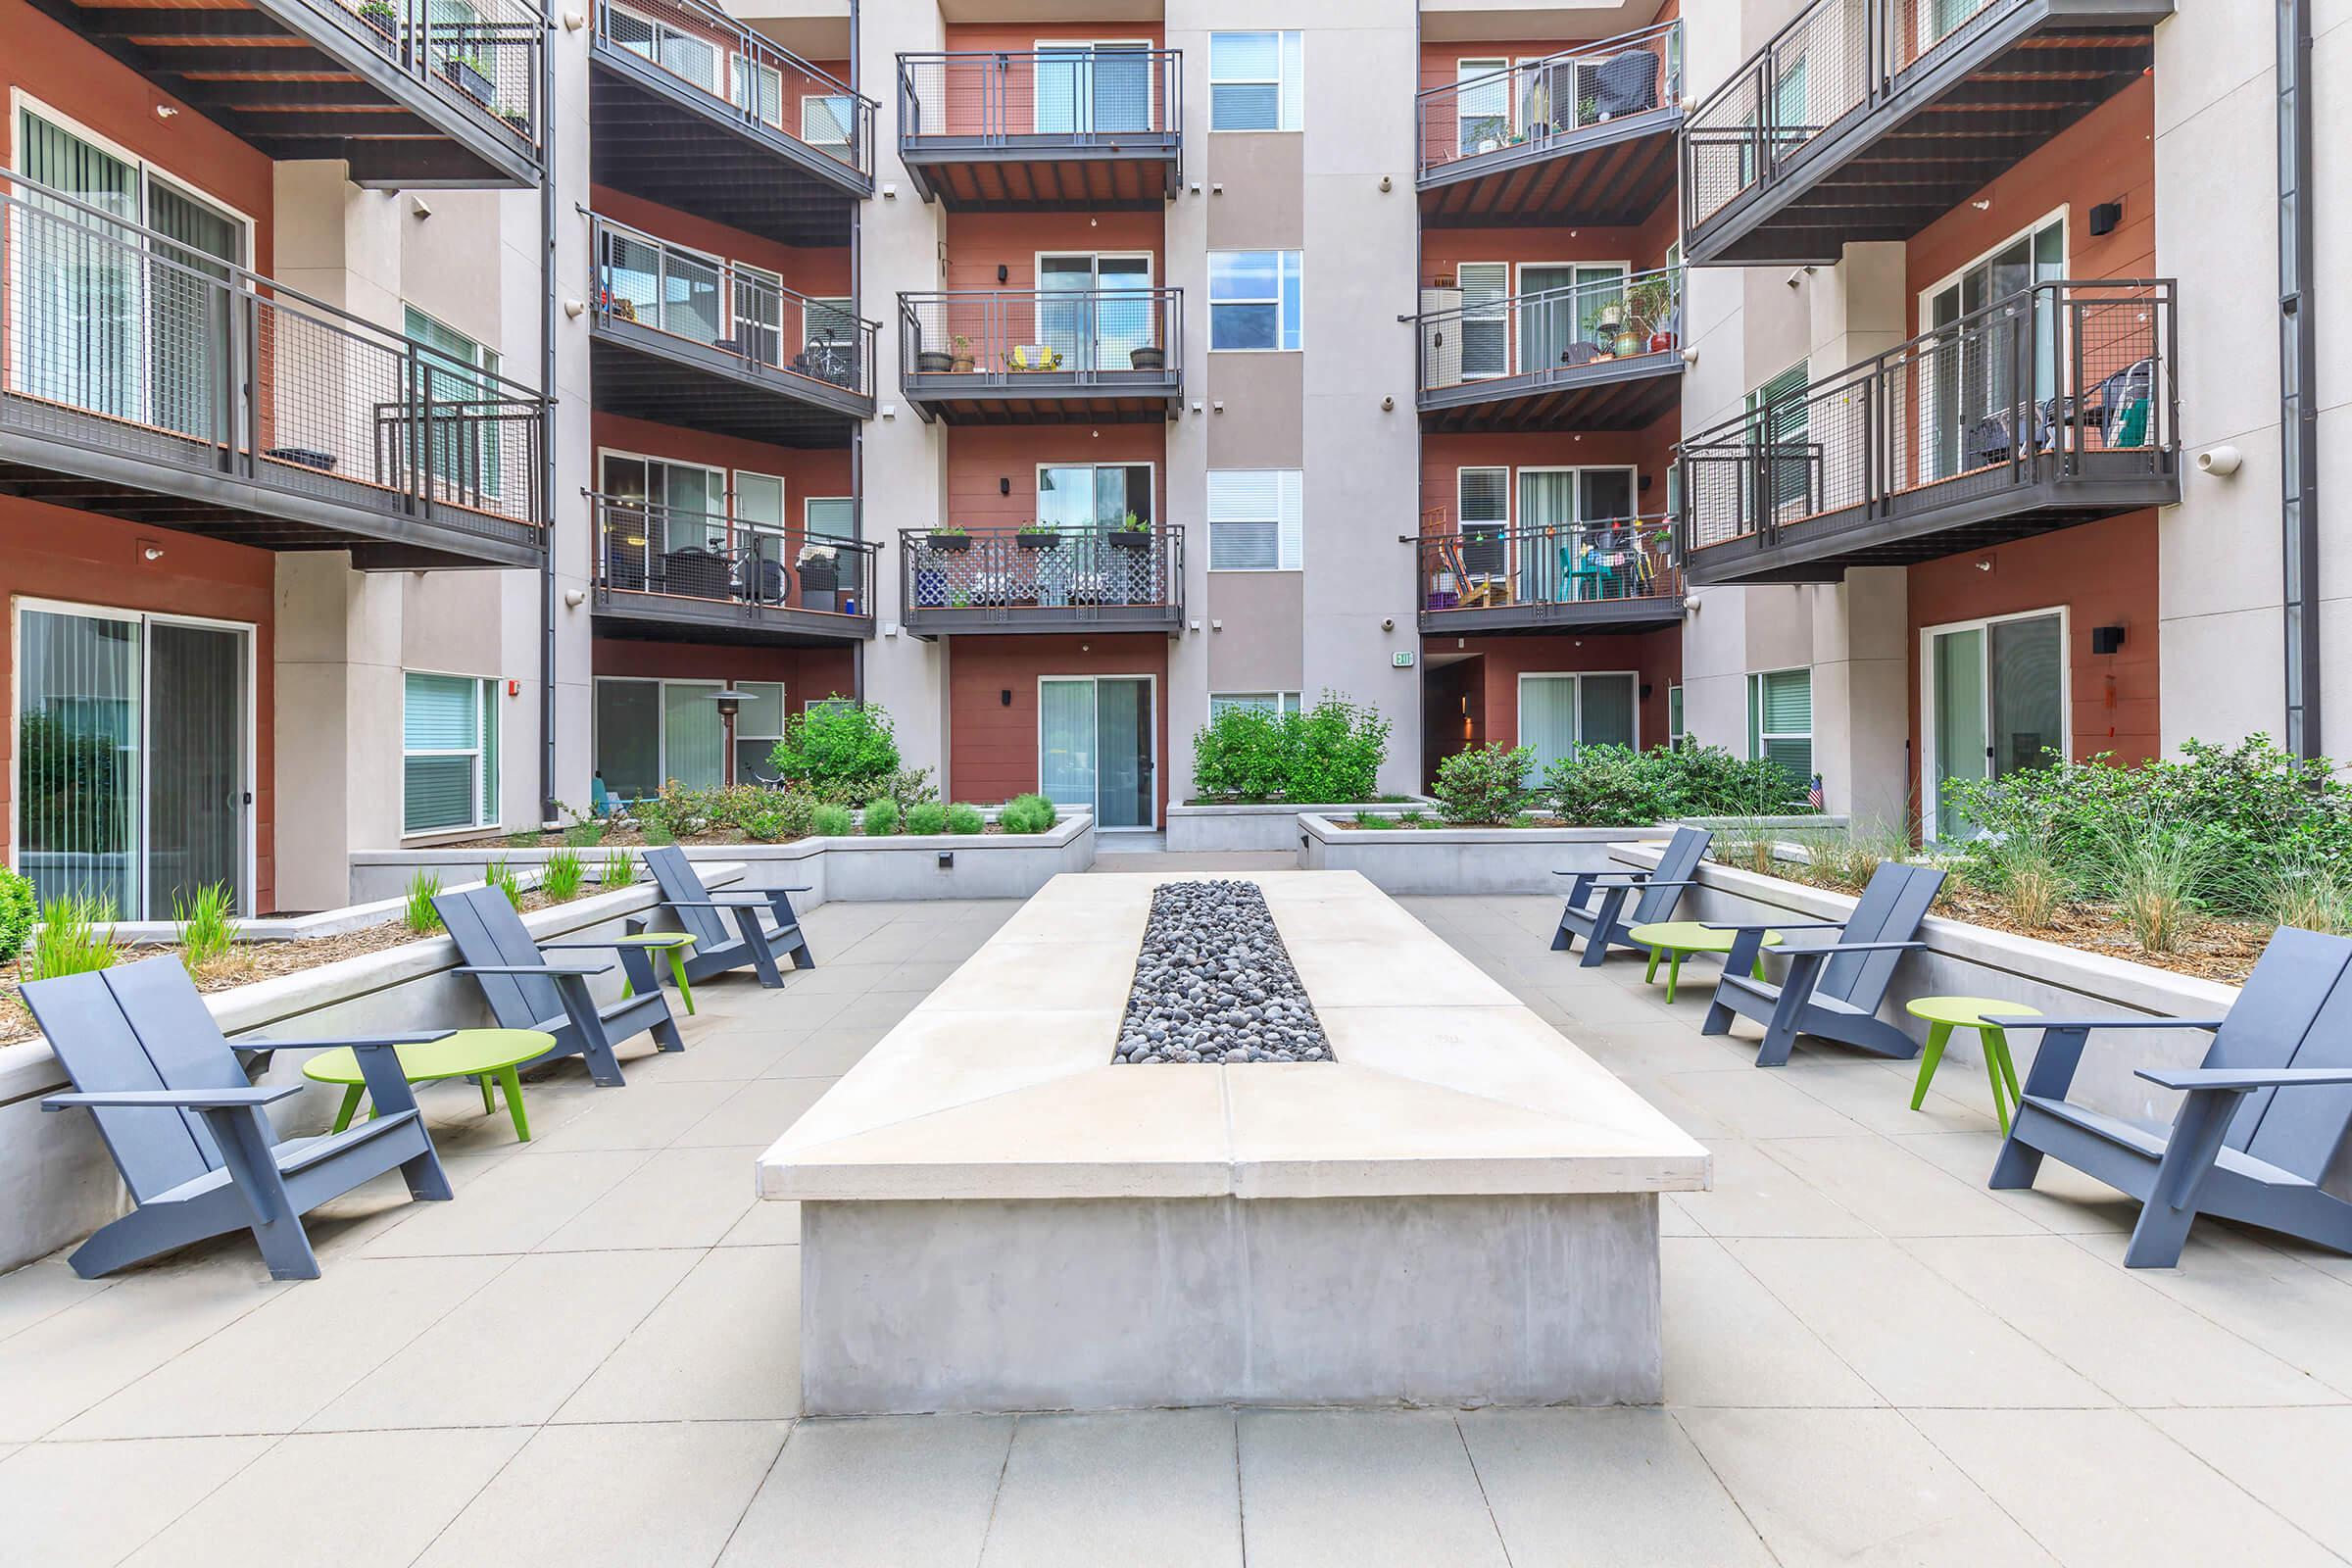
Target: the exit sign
(1403, 660)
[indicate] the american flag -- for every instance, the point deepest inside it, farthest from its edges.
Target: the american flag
(1813, 793)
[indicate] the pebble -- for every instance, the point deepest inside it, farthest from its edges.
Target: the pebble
(1215, 984)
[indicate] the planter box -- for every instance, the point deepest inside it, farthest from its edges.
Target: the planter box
(1261, 829)
(930, 363)
(1473, 860)
(1130, 538)
(1038, 541)
(949, 542)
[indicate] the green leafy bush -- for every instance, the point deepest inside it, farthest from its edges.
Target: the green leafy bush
(1027, 813)
(834, 822)
(1486, 784)
(75, 935)
(881, 816)
(752, 810)
(203, 924)
(561, 880)
(1329, 755)
(962, 819)
(836, 747)
(1374, 820)
(500, 875)
(928, 816)
(18, 905)
(1613, 786)
(416, 908)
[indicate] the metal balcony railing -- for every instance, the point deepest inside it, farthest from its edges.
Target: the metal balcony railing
(483, 55)
(2061, 380)
(1003, 337)
(744, 76)
(1045, 575)
(1536, 102)
(127, 341)
(1495, 337)
(643, 547)
(1546, 567)
(1833, 59)
(1086, 94)
(725, 306)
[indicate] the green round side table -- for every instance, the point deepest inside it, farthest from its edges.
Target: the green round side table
(1677, 940)
(672, 945)
(477, 1054)
(1944, 1014)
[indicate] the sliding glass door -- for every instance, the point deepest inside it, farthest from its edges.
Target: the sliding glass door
(1973, 369)
(1096, 743)
(1083, 87)
(1557, 713)
(133, 746)
(1102, 311)
(1995, 703)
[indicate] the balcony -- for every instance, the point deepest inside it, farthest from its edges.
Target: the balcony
(1070, 579)
(151, 383)
(411, 92)
(2053, 405)
(675, 576)
(690, 108)
(1583, 136)
(1572, 578)
(688, 339)
(1087, 128)
(1601, 355)
(1867, 119)
(1032, 357)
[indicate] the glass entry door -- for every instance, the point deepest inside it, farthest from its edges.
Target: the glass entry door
(1557, 713)
(1973, 370)
(1105, 313)
(1096, 738)
(1995, 703)
(1578, 297)
(133, 784)
(1086, 87)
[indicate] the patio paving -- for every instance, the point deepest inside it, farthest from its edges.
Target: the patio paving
(589, 1356)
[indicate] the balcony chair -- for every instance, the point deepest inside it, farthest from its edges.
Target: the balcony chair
(2261, 1118)
(527, 990)
(1832, 990)
(1626, 83)
(718, 949)
(1596, 899)
(189, 1132)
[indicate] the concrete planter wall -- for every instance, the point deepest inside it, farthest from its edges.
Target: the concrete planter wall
(1258, 829)
(60, 1183)
(1457, 860)
(1974, 961)
(865, 870)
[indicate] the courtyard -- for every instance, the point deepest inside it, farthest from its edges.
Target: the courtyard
(591, 1356)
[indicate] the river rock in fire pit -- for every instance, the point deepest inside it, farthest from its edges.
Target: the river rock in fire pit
(1215, 984)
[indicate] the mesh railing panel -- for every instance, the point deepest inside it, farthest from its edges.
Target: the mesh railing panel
(1080, 93)
(483, 53)
(1532, 101)
(1620, 316)
(1478, 567)
(641, 547)
(1007, 334)
(1081, 571)
(746, 75)
(118, 339)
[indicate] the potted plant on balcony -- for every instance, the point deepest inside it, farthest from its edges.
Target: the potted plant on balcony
(1152, 358)
(1651, 304)
(1034, 535)
(960, 358)
(950, 536)
(465, 72)
(1132, 534)
(933, 361)
(383, 22)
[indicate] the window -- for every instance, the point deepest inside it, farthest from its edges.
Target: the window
(1674, 716)
(657, 507)
(1482, 104)
(459, 371)
(648, 731)
(449, 753)
(1079, 497)
(1782, 420)
(826, 119)
(1557, 713)
(1254, 82)
(1483, 511)
(1779, 721)
(1253, 519)
(1276, 703)
(831, 577)
(1253, 299)
(758, 725)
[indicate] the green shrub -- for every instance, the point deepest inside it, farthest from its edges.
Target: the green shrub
(1374, 820)
(18, 908)
(837, 746)
(1486, 784)
(203, 925)
(752, 810)
(2316, 895)
(1027, 813)
(1614, 786)
(417, 909)
(500, 875)
(1329, 755)
(658, 835)
(962, 819)
(2023, 871)
(2155, 870)
(565, 871)
(584, 835)
(70, 939)
(834, 822)
(928, 816)
(619, 869)
(881, 816)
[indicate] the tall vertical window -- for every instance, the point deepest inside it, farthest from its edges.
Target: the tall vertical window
(1779, 721)
(1783, 421)
(1674, 716)
(1253, 299)
(1255, 520)
(459, 371)
(449, 753)
(1255, 81)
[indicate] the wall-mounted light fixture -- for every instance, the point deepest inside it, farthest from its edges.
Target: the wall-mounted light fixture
(2106, 216)
(1004, 273)
(2106, 639)
(2221, 462)
(1005, 486)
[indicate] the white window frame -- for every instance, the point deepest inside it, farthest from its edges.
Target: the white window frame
(810, 530)
(846, 121)
(1930, 808)
(726, 482)
(1758, 737)
(1284, 540)
(1469, 68)
(1276, 703)
(783, 712)
(1043, 46)
(1518, 290)
(660, 710)
(1285, 92)
(489, 813)
(1924, 305)
(1500, 308)
(1677, 719)
(1091, 464)
(1280, 277)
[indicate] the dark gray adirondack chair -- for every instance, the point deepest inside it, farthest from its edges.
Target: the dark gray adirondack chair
(527, 990)
(1596, 899)
(188, 1130)
(718, 949)
(2263, 1117)
(1832, 989)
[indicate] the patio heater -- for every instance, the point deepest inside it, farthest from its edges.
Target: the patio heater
(730, 702)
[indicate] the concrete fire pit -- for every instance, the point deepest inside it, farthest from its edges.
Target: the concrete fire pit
(1461, 1208)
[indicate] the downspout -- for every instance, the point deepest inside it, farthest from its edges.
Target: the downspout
(547, 419)
(873, 560)
(2298, 381)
